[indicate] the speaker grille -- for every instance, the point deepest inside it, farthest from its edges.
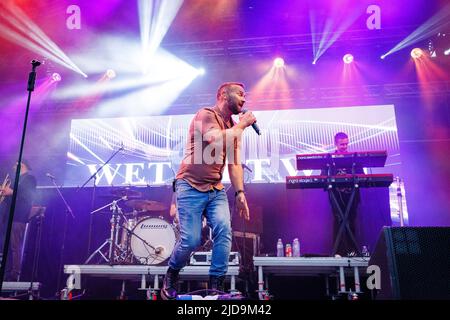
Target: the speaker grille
(421, 261)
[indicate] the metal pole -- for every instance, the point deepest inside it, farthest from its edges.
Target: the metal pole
(400, 201)
(30, 88)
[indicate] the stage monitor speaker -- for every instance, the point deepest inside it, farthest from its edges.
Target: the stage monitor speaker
(254, 225)
(414, 263)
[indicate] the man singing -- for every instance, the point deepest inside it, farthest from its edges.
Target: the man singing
(213, 138)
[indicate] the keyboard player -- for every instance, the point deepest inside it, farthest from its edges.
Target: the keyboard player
(346, 246)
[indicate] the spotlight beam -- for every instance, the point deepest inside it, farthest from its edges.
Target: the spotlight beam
(20, 29)
(145, 17)
(155, 18)
(332, 29)
(427, 29)
(27, 44)
(312, 19)
(74, 157)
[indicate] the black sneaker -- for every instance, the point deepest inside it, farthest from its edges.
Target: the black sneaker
(170, 284)
(217, 284)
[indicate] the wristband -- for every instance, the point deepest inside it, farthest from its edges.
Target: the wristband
(239, 191)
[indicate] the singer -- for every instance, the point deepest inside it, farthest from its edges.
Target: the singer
(213, 137)
(25, 196)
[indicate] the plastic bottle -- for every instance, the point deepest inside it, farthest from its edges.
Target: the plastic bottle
(296, 248)
(280, 248)
(288, 250)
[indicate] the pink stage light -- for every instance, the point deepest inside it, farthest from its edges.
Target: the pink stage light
(348, 58)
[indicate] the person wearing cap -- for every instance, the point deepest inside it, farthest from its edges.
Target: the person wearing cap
(25, 195)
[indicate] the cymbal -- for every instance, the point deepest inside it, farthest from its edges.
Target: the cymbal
(145, 205)
(137, 213)
(122, 192)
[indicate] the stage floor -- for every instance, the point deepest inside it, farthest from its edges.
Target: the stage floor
(309, 266)
(150, 276)
(142, 273)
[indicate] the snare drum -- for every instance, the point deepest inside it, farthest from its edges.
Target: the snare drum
(153, 240)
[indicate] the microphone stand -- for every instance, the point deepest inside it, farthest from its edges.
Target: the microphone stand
(94, 176)
(68, 210)
(30, 89)
(37, 249)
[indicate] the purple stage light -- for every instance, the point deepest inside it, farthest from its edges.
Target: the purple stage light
(56, 77)
(348, 58)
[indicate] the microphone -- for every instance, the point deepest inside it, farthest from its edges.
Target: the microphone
(50, 176)
(254, 125)
(35, 63)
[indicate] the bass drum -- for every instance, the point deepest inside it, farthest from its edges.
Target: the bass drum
(153, 240)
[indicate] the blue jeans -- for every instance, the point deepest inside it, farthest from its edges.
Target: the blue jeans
(191, 205)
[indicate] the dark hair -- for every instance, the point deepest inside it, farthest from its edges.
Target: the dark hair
(27, 163)
(225, 86)
(340, 135)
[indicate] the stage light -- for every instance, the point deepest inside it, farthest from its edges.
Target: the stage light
(314, 61)
(201, 71)
(56, 77)
(110, 73)
(278, 62)
(428, 29)
(383, 56)
(416, 53)
(348, 58)
(447, 52)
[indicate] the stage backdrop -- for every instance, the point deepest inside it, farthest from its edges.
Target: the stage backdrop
(152, 147)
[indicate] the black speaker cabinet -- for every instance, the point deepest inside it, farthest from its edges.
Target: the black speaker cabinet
(414, 263)
(254, 225)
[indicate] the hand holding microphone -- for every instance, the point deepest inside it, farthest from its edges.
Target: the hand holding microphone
(249, 119)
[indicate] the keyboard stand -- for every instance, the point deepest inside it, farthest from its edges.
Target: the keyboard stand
(344, 216)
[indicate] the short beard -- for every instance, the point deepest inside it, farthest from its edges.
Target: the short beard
(234, 108)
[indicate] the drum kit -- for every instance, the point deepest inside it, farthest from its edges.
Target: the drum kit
(137, 236)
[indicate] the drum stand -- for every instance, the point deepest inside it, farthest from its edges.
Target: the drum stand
(126, 252)
(116, 254)
(112, 254)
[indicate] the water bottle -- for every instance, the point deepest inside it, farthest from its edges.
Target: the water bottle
(280, 248)
(296, 248)
(365, 252)
(288, 250)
